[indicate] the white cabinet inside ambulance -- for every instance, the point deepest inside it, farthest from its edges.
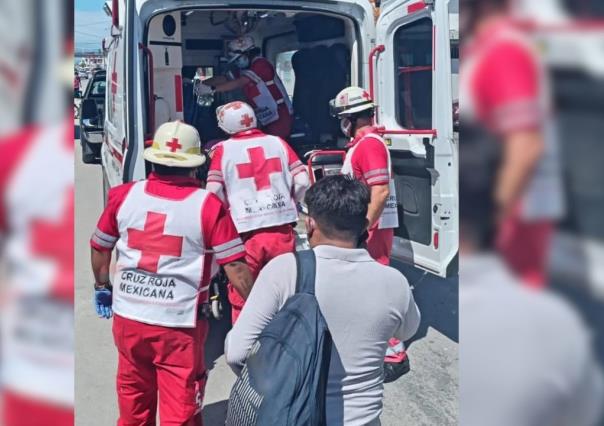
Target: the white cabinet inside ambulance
(317, 47)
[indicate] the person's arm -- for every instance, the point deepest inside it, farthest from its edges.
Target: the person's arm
(379, 196)
(240, 277)
(220, 234)
(510, 85)
(215, 181)
(522, 151)
(215, 81)
(101, 261)
(228, 86)
(275, 284)
(299, 172)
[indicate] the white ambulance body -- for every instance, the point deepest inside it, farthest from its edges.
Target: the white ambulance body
(404, 57)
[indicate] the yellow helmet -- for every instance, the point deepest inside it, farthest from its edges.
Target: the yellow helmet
(176, 144)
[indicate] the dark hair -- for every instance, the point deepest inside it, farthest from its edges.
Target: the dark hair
(339, 206)
(162, 170)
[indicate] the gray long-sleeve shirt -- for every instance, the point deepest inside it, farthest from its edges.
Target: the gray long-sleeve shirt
(364, 304)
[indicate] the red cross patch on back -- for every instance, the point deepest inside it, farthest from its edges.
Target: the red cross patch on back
(259, 168)
(153, 243)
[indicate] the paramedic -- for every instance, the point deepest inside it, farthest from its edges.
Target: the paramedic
(163, 228)
(260, 178)
(360, 321)
(261, 85)
(507, 115)
(368, 160)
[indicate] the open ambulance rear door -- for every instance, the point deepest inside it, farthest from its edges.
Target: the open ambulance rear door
(411, 81)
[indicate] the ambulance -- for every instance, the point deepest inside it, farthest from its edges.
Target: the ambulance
(401, 53)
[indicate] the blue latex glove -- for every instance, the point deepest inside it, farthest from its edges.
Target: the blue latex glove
(102, 303)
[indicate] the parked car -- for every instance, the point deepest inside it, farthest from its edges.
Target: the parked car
(92, 116)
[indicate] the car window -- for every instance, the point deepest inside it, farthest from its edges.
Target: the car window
(413, 68)
(98, 88)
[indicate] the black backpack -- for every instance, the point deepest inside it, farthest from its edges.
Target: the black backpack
(284, 379)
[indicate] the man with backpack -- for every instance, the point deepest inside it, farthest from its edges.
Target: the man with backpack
(363, 303)
(260, 178)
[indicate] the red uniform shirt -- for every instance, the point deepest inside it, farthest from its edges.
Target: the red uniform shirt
(370, 159)
(504, 80)
(265, 70)
(217, 226)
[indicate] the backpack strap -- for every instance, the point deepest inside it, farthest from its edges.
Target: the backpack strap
(306, 264)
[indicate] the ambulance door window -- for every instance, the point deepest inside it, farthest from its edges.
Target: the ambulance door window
(285, 71)
(413, 68)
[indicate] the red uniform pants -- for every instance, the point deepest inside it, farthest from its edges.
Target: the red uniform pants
(19, 410)
(283, 126)
(525, 248)
(155, 359)
(379, 246)
(261, 246)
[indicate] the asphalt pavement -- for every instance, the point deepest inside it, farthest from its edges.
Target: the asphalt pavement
(427, 395)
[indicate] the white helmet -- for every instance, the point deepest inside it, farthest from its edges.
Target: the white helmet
(241, 44)
(236, 117)
(175, 144)
(350, 101)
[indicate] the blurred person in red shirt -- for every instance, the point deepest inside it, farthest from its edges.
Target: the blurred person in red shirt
(507, 134)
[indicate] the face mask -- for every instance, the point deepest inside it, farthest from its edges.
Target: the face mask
(242, 62)
(346, 127)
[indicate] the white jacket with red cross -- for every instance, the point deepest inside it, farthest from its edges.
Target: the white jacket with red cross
(261, 178)
(168, 232)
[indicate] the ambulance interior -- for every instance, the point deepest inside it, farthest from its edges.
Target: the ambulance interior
(313, 54)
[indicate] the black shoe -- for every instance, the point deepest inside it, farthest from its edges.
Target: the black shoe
(394, 370)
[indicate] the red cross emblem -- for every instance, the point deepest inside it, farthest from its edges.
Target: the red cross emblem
(259, 168)
(153, 243)
(366, 95)
(53, 240)
(246, 120)
(236, 105)
(173, 145)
